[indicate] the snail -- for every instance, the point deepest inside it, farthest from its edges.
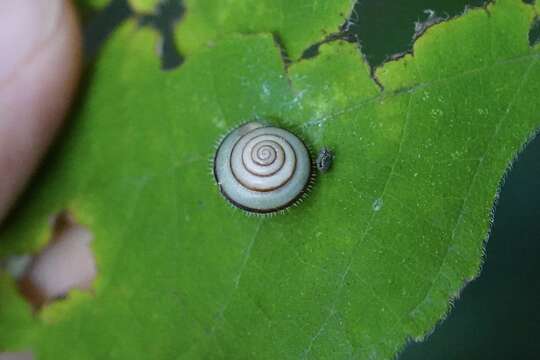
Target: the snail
(262, 169)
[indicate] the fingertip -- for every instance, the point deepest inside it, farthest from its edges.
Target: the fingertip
(39, 69)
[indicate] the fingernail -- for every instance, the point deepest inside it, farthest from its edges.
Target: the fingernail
(25, 25)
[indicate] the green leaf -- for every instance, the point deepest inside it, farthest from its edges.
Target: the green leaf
(143, 6)
(373, 256)
(296, 24)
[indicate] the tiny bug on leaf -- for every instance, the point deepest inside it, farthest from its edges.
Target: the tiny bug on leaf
(324, 160)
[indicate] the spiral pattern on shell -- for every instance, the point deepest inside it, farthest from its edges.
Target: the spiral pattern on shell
(261, 168)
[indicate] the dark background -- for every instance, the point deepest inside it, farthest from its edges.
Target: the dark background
(497, 315)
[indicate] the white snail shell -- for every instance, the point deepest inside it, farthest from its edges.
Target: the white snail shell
(261, 168)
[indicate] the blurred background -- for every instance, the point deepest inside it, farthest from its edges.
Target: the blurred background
(498, 314)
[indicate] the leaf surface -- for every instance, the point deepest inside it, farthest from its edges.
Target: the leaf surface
(373, 256)
(295, 24)
(143, 6)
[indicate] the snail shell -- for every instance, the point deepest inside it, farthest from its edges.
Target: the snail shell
(261, 168)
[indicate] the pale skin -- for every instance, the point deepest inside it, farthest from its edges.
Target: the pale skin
(40, 64)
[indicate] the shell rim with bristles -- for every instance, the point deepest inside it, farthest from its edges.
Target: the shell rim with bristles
(282, 208)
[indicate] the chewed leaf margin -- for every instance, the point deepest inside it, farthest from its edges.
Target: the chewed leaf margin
(319, 86)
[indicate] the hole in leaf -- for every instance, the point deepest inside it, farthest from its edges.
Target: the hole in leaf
(534, 33)
(65, 263)
(26, 355)
(313, 50)
(420, 27)
(282, 51)
(387, 27)
(99, 27)
(168, 13)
